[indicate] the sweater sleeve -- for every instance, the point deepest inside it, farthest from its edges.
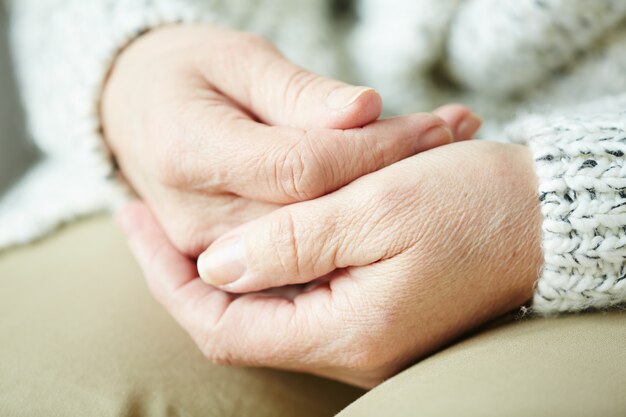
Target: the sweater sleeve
(63, 51)
(524, 41)
(580, 158)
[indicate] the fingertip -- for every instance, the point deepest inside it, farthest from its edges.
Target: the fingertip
(422, 123)
(367, 102)
(367, 108)
(362, 108)
(463, 122)
(468, 127)
(224, 262)
(434, 137)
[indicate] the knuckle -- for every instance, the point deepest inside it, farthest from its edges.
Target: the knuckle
(220, 357)
(300, 173)
(214, 346)
(286, 244)
(189, 236)
(295, 240)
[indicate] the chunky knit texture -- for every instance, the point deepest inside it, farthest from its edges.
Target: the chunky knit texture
(582, 177)
(547, 73)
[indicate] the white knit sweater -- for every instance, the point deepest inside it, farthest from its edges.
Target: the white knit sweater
(547, 73)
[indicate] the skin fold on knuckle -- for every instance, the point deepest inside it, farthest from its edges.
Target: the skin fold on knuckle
(299, 173)
(218, 354)
(219, 344)
(302, 243)
(188, 234)
(284, 246)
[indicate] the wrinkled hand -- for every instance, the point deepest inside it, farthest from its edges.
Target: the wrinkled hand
(399, 263)
(214, 128)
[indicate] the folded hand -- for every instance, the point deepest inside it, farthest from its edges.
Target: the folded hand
(394, 265)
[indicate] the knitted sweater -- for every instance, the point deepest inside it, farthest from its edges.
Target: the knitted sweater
(550, 74)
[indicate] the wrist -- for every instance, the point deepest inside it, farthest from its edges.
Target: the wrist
(523, 182)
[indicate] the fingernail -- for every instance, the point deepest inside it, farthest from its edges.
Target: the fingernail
(468, 127)
(437, 136)
(224, 262)
(344, 97)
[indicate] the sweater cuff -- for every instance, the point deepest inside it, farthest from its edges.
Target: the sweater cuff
(580, 164)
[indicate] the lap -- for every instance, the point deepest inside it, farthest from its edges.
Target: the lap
(567, 366)
(80, 335)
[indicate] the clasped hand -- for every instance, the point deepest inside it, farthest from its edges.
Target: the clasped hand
(290, 179)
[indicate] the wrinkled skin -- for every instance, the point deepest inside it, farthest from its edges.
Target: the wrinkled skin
(410, 257)
(214, 128)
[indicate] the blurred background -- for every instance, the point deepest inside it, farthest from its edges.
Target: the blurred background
(16, 152)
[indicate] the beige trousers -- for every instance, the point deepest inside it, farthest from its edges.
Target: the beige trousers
(81, 336)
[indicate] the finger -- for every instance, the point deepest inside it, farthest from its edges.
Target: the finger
(463, 122)
(256, 75)
(165, 268)
(225, 151)
(171, 277)
(254, 329)
(302, 242)
(266, 330)
(285, 165)
(192, 221)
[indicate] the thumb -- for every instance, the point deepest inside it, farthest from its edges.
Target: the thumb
(298, 98)
(281, 93)
(293, 245)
